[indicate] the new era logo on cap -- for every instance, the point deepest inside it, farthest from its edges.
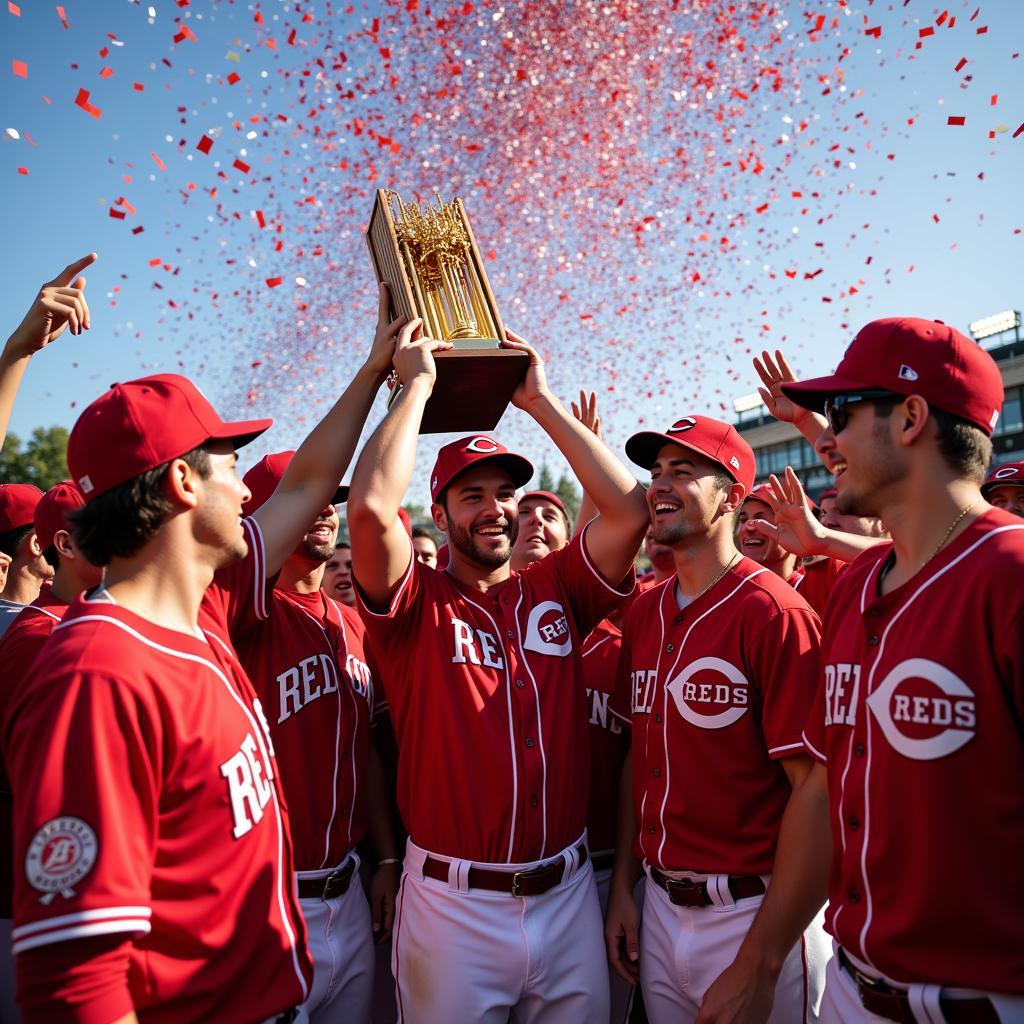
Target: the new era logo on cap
(85, 484)
(734, 462)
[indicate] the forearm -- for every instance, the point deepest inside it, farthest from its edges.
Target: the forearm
(626, 869)
(799, 881)
(612, 488)
(12, 370)
(384, 469)
(380, 810)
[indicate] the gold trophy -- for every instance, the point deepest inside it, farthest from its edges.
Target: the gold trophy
(428, 258)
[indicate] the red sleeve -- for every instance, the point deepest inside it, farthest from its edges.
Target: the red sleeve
(401, 618)
(239, 596)
(591, 596)
(85, 750)
(814, 728)
(785, 656)
(85, 982)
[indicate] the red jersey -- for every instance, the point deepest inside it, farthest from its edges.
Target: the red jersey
(155, 813)
(816, 581)
(18, 649)
(720, 691)
(609, 736)
(486, 693)
(309, 667)
(918, 719)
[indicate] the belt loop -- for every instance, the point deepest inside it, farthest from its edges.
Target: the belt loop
(356, 858)
(571, 860)
(925, 1004)
(458, 875)
(719, 892)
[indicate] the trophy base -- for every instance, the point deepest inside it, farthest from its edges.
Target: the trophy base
(475, 381)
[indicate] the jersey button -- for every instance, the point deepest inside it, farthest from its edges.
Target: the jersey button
(520, 683)
(670, 648)
(657, 718)
(859, 749)
(656, 773)
(529, 741)
(533, 801)
(854, 896)
(650, 829)
(873, 640)
(854, 823)
(679, 620)
(511, 635)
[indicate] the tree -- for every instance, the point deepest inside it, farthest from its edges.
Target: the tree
(42, 461)
(570, 494)
(545, 481)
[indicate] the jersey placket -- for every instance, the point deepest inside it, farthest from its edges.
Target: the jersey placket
(531, 812)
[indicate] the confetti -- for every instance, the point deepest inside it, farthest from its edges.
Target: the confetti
(63, 17)
(273, 282)
(956, 120)
(205, 144)
(82, 100)
(20, 68)
(13, 8)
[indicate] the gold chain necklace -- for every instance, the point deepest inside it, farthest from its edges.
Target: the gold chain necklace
(891, 560)
(732, 561)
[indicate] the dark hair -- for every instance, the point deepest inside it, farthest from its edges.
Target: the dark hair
(342, 544)
(966, 448)
(121, 521)
(10, 539)
(52, 556)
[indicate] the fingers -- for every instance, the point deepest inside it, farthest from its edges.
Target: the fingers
(406, 332)
(512, 336)
(72, 270)
(787, 373)
(770, 368)
(764, 528)
(383, 303)
(76, 298)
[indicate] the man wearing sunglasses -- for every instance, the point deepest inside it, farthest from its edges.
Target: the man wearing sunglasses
(916, 730)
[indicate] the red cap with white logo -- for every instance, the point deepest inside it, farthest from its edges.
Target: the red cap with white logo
(53, 509)
(719, 441)
(458, 456)
(914, 357)
(548, 496)
(18, 505)
(762, 492)
(263, 478)
(142, 424)
(1010, 473)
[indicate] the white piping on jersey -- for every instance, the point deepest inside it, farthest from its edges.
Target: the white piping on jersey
(799, 580)
(355, 730)
(398, 590)
(590, 650)
(867, 692)
(647, 732)
(786, 746)
(113, 926)
(664, 696)
(257, 729)
(511, 730)
(45, 611)
(812, 748)
(540, 730)
(590, 565)
(259, 564)
(102, 921)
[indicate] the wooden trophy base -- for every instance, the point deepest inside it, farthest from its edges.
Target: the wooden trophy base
(475, 381)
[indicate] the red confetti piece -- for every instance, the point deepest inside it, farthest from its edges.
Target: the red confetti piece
(993, 100)
(234, 78)
(205, 144)
(155, 262)
(259, 219)
(923, 33)
(956, 120)
(975, 14)
(138, 87)
(138, 230)
(117, 214)
(1018, 131)
(106, 72)
(241, 165)
(273, 282)
(961, 64)
(13, 8)
(942, 17)
(20, 68)
(158, 162)
(876, 31)
(981, 31)
(23, 170)
(63, 17)
(82, 100)
(104, 53)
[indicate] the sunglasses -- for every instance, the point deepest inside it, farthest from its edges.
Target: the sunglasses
(837, 407)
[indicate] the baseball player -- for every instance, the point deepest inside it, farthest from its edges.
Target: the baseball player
(28, 569)
(1004, 487)
(764, 550)
(425, 546)
(5, 564)
(917, 722)
(154, 856)
(311, 671)
(60, 303)
(833, 519)
(720, 666)
(497, 912)
(337, 579)
(543, 527)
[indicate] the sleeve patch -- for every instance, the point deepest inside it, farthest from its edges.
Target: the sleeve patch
(61, 854)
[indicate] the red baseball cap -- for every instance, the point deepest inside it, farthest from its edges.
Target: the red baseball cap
(18, 505)
(554, 499)
(762, 492)
(142, 424)
(458, 456)
(263, 478)
(52, 511)
(914, 357)
(719, 441)
(1001, 476)
(829, 492)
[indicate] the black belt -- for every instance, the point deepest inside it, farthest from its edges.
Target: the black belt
(685, 892)
(335, 884)
(602, 861)
(531, 882)
(881, 999)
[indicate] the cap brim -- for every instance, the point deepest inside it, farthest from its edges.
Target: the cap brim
(812, 394)
(241, 432)
(340, 495)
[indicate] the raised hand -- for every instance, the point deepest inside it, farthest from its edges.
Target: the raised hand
(586, 412)
(60, 303)
(795, 528)
(535, 384)
(774, 373)
(382, 351)
(414, 354)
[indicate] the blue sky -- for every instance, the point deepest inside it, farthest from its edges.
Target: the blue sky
(649, 326)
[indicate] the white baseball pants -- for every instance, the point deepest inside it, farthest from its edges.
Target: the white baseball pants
(341, 945)
(471, 956)
(841, 1002)
(683, 950)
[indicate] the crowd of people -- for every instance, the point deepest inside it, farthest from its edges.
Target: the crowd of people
(251, 772)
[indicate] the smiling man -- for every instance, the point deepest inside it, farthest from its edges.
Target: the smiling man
(543, 527)
(498, 912)
(758, 548)
(720, 663)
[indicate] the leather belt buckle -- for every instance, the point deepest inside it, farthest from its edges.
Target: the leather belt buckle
(685, 892)
(517, 878)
